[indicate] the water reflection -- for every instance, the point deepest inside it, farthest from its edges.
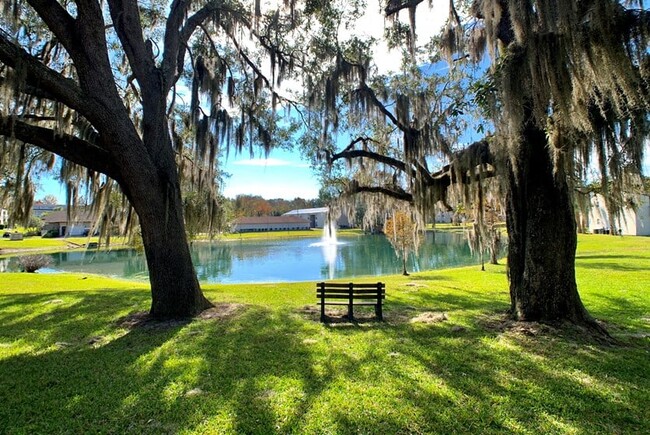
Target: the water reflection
(276, 260)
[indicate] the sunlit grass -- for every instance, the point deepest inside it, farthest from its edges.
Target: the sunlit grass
(52, 244)
(67, 365)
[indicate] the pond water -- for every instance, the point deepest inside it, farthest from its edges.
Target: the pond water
(283, 260)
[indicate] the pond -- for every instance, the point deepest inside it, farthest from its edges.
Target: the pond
(283, 260)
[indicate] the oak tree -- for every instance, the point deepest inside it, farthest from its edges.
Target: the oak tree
(97, 82)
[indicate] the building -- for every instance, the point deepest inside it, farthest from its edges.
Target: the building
(80, 223)
(40, 208)
(269, 223)
(318, 216)
(634, 220)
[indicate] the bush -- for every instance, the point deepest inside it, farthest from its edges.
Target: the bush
(50, 234)
(31, 263)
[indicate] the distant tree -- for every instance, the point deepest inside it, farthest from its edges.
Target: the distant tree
(50, 200)
(402, 232)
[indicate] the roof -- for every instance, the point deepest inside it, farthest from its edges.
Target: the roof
(260, 220)
(307, 211)
(41, 206)
(61, 216)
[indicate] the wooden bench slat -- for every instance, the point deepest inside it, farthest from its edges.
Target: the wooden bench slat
(347, 292)
(343, 296)
(347, 285)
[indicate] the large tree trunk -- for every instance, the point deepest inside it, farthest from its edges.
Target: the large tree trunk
(175, 290)
(542, 236)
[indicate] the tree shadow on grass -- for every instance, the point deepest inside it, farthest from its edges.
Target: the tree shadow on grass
(587, 264)
(523, 384)
(611, 257)
(165, 379)
(274, 371)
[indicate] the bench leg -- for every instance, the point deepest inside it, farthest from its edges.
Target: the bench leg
(322, 310)
(378, 311)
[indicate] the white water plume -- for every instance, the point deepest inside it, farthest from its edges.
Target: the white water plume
(329, 245)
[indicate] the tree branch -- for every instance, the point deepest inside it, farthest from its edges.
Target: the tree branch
(367, 90)
(471, 164)
(394, 6)
(57, 19)
(69, 147)
(396, 193)
(177, 37)
(41, 77)
(126, 20)
(350, 153)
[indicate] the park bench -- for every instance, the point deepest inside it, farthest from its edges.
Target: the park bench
(351, 294)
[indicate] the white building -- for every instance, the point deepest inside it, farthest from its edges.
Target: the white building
(79, 225)
(318, 216)
(269, 223)
(634, 221)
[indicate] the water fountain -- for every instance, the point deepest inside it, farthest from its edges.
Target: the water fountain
(329, 245)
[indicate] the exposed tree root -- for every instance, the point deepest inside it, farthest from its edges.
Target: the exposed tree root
(589, 330)
(143, 319)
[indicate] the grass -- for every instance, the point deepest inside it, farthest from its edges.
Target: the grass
(68, 365)
(10, 247)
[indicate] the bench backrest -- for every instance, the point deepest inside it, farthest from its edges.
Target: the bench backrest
(350, 290)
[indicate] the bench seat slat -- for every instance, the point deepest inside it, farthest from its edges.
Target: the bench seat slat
(368, 304)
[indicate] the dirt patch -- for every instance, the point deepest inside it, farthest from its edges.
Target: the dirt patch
(134, 320)
(142, 319)
(309, 310)
(194, 392)
(429, 317)
(221, 311)
(564, 329)
(416, 285)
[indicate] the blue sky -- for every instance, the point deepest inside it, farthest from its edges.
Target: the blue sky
(284, 174)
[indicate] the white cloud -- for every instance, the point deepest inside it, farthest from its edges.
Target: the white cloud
(270, 162)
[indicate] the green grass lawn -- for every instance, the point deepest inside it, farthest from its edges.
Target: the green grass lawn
(264, 364)
(29, 244)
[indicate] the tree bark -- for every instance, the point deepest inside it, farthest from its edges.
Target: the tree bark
(175, 290)
(542, 236)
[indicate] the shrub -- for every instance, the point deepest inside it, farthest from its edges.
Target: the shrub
(50, 234)
(31, 263)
